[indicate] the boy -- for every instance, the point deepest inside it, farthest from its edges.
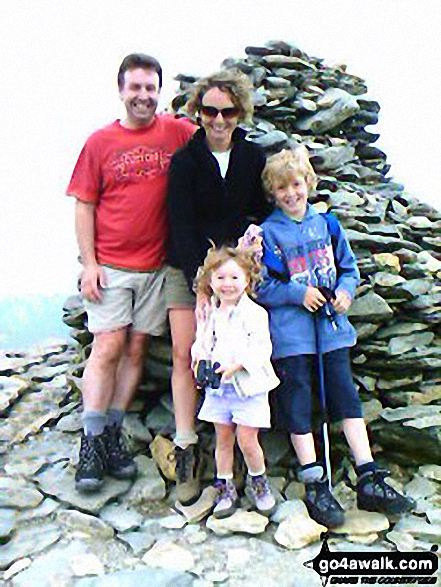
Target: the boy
(300, 259)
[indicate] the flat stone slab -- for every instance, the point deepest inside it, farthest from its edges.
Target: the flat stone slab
(121, 518)
(153, 577)
(10, 389)
(362, 522)
(74, 521)
(58, 481)
(168, 555)
(27, 541)
(17, 493)
(240, 521)
(46, 448)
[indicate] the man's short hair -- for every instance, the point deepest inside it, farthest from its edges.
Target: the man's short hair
(135, 61)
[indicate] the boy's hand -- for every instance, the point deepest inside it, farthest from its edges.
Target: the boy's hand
(229, 370)
(342, 301)
(314, 299)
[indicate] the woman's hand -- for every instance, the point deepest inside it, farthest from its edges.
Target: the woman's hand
(252, 241)
(203, 307)
(229, 370)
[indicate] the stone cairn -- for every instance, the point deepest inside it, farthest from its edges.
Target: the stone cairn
(396, 238)
(49, 533)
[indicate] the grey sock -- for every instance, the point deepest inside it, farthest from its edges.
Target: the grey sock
(93, 422)
(310, 473)
(115, 417)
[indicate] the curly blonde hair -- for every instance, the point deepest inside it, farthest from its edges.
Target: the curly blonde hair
(216, 257)
(235, 83)
(282, 167)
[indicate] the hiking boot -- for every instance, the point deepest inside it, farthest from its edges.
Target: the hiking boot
(375, 495)
(188, 487)
(226, 498)
(322, 505)
(259, 493)
(89, 476)
(120, 463)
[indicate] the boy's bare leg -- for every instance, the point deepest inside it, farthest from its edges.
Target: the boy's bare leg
(356, 435)
(305, 449)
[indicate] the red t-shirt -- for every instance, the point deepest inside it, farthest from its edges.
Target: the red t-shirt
(124, 172)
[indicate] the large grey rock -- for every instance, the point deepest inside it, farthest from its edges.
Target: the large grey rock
(371, 307)
(298, 531)
(337, 105)
(149, 485)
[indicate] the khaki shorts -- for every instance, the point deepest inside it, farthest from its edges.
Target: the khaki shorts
(129, 298)
(177, 294)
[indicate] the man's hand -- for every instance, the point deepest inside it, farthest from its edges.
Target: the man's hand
(342, 301)
(314, 299)
(229, 370)
(92, 279)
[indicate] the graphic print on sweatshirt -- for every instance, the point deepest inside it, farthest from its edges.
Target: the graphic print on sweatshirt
(311, 263)
(138, 163)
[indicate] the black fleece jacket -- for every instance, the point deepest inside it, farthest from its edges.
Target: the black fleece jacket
(203, 206)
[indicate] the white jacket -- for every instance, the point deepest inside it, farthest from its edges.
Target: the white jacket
(249, 337)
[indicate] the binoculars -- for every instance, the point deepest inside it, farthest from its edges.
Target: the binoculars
(206, 375)
(328, 310)
(326, 292)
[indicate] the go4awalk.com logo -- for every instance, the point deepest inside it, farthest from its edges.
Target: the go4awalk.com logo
(375, 568)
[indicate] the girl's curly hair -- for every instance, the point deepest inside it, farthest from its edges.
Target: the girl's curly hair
(232, 81)
(216, 257)
(289, 163)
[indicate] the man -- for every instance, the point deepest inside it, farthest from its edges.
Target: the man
(119, 183)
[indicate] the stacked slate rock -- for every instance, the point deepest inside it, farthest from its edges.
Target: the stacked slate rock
(396, 238)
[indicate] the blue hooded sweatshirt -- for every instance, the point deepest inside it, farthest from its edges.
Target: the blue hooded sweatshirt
(305, 251)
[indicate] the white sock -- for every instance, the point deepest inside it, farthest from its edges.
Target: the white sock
(225, 476)
(257, 473)
(184, 440)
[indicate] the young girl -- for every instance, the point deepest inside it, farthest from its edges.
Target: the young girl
(235, 335)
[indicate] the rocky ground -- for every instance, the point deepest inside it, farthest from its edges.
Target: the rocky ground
(50, 535)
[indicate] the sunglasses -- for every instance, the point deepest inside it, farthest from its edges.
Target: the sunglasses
(212, 112)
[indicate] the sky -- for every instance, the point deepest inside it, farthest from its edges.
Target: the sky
(59, 61)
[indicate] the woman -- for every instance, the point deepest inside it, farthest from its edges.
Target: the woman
(214, 193)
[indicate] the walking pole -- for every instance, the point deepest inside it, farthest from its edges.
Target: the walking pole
(322, 399)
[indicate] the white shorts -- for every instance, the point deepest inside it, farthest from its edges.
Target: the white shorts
(129, 298)
(229, 408)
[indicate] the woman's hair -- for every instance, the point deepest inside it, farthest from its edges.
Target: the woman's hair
(235, 83)
(282, 167)
(216, 257)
